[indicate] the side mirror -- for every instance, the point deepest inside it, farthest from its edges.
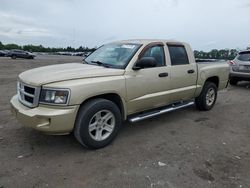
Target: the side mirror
(145, 62)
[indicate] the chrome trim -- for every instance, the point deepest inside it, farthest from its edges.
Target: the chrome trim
(28, 94)
(162, 111)
(21, 94)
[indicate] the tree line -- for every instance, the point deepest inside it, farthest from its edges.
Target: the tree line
(213, 54)
(227, 54)
(40, 48)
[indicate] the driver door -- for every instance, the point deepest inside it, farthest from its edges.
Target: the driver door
(147, 88)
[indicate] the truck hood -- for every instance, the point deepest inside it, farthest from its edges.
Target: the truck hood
(63, 72)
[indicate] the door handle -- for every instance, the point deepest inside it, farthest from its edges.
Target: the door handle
(164, 74)
(190, 71)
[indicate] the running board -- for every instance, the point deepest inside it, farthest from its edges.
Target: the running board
(169, 108)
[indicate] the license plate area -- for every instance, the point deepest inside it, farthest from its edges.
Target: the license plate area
(247, 67)
(244, 67)
(241, 67)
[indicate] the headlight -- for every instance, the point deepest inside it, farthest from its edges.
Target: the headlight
(54, 96)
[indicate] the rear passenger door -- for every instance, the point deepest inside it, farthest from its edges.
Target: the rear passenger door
(183, 73)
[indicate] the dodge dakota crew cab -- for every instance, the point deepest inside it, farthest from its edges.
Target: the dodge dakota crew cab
(125, 80)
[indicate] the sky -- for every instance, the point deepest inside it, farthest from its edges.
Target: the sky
(205, 24)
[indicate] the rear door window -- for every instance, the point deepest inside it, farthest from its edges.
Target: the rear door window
(178, 55)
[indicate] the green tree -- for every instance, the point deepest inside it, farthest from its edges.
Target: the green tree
(214, 54)
(1, 46)
(12, 46)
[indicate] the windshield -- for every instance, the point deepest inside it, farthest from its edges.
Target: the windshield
(113, 55)
(244, 56)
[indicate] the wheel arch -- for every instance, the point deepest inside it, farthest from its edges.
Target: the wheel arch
(114, 97)
(213, 79)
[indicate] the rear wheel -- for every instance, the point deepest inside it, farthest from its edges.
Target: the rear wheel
(97, 123)
(233, 81)
(207, 98)
(13, 56)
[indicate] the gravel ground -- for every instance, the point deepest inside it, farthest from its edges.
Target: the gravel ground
(186, 148)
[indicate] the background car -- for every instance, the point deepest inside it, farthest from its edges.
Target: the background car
(240, 68)
(3, 53)
(20, 54)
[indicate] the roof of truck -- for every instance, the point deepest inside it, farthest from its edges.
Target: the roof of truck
(146, 41)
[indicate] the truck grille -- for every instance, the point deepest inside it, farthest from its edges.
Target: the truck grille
(28, 95)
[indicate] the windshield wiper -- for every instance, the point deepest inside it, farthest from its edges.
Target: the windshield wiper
(101, 63)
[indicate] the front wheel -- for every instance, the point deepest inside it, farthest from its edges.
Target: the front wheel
(97, 123)
(207, 98)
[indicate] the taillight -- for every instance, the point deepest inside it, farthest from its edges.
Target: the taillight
(232, 63)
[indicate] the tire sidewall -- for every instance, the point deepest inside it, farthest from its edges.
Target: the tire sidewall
(84, 117)
(209, 85)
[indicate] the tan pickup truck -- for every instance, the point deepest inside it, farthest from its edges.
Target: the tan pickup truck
(125, 80)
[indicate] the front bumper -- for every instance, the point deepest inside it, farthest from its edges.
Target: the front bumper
(49, 120)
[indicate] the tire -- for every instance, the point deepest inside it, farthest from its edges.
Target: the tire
(13, 57)
(207, 98)
(91, 129)
(233, 81)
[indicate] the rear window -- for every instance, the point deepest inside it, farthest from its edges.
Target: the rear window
(244, 56)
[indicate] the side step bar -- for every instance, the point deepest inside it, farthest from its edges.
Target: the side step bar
(169, 108)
